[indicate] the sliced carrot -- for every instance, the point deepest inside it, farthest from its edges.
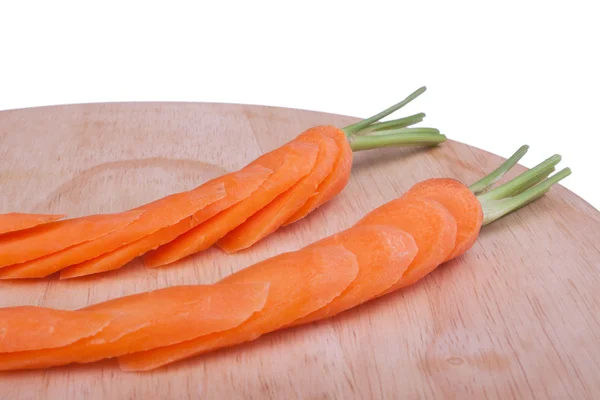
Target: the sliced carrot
(21, 246)
(336, 181)
(119, 257)
(239, 185)
(149, 320)
(428, 222)
(156, 215)
(12, 222)
(290, 163)
(272, 216)
(462, 204)
(383, 253)
(300, 283)
(33, 328)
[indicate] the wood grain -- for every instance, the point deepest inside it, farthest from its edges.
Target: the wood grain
(516, 317)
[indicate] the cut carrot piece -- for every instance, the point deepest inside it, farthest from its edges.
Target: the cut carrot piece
(156, 215)
(33, 328)
(300, 283)
(239, 186)
(290, 163)
(272, 216)
(462, 204)
(428, 222)
(383, 253)
(121, 256)
(12, 222)
(152, 319)
(21, 246)
(336, 181)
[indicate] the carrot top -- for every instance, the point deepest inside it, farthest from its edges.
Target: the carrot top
(518, 192)
(369, 133)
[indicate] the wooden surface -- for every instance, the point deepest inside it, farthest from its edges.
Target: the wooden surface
(516, 317)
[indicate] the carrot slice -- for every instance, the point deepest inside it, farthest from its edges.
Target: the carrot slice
(239, 185)
(20, 327)
(428, 222)
(156, 215)
(462, 204)
(12, 222)
(383, 253)
(300, 282)
(152, 319)
(272, 216)
(290, 163)
(336, 181)
(21, 246)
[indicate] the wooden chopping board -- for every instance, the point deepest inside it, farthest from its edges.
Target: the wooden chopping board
(518, 316)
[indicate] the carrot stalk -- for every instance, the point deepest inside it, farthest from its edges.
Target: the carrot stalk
(533, 182)
(526, 179)
(485, 183)
(357, 127)
(393, 124)
(496, 209)
(397, 137)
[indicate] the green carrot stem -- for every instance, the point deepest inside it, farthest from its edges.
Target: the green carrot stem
(397, 138)
(393, 124)
(533, 182)
(485, 183)
(524, 180)
(352, 129)
(496, 209)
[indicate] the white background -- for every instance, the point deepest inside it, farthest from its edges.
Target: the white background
(499, 74)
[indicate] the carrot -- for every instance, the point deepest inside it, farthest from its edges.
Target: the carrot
(383, 253)
(290, 163)
(238, 185)
(300, 282)
(461, 202)
(273, 215)
(147, 320)
(430, 224)
(19, 327)
(21, 246)
(12, 222)
(333, 184)
(104, 254)
(163, 212)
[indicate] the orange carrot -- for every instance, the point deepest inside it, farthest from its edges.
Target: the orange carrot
(238, 185)
(21, 246)
(164, 212)
(273, 215)
(12, 222)
(104, 255)
(144, 321)
(300, 282)
(290, 163)
(19, 327)
(383, 253)
(460, 202)
(334, 183)
(428, 222)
